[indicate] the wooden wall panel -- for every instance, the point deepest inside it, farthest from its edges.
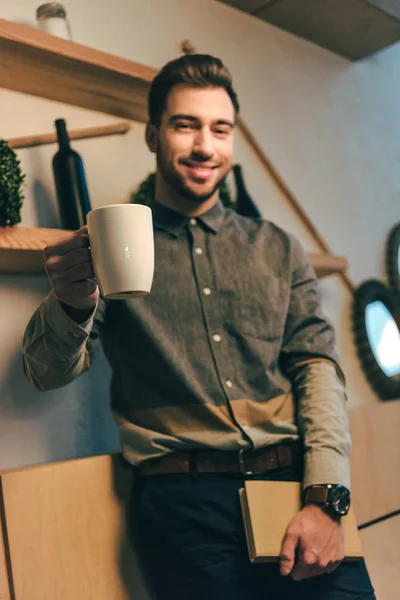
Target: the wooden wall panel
(67, 521)
(67, 532)
(375, 460)
(381, 544)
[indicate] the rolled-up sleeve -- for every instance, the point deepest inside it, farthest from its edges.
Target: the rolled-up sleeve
(56, 350)
(323, 422)
(309, 359)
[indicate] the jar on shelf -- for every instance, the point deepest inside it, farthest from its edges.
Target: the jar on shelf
(52, 18)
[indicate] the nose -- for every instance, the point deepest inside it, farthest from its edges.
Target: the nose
(203, 142)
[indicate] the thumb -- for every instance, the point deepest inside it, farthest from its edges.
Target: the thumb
(82, 231)
(288, 553)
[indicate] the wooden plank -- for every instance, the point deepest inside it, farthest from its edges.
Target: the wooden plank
(351, 28)
(328, 264)
(4, 586)
(4, 580)
(21, 251)
(382, 555)
(4, 589)
(69, 519)
(375, 460)
(31, 141)
(37, 63)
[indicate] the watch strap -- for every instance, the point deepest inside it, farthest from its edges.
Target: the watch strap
(316, 494)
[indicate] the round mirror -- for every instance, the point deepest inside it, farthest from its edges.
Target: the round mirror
(383, 337)
(393, 258)
(377, 334)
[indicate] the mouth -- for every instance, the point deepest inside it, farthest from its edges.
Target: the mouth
(199, 171)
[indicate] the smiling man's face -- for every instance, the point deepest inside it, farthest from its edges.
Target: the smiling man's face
(194, 143)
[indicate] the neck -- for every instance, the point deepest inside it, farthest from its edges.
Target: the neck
(169, 198)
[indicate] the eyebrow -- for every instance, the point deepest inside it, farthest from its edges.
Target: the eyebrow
(179, 117)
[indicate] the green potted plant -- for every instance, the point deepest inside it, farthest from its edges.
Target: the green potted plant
(11, 180)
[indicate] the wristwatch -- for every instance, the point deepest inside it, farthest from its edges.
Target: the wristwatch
(334, 498)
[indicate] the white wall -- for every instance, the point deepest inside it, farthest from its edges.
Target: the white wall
(330, 126)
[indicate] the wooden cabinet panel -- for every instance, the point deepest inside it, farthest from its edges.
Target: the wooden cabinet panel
(375, 460)
(67, 532)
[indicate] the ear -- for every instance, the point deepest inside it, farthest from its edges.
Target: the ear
(152, 137)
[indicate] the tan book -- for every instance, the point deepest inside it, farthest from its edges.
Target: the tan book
(269, 506)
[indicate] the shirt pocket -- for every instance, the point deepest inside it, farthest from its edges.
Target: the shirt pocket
(260, 307)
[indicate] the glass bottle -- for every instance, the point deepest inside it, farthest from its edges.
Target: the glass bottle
(52, 18)
(245, 206)
(70, 180)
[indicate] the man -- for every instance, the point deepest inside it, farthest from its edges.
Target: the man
(227, 367)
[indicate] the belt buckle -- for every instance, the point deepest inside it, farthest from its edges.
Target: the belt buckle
(242, 469)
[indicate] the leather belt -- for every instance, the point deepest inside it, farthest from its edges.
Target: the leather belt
(246, 462)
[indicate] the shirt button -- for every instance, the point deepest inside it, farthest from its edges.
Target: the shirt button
(193, 222)
(74, 335)
(217, 337)
(228, 383)
(206, 291)
(198, 251)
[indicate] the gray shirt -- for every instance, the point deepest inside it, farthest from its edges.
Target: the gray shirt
(228, 351)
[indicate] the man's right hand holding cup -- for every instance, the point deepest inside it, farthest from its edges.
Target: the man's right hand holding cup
(69, 268)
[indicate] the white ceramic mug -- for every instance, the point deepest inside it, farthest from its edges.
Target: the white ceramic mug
(122, 247)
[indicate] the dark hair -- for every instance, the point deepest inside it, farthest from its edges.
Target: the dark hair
(193, 70)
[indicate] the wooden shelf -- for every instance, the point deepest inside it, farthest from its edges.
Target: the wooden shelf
(21, 251)
(21, 248)
(37, 63)
(328, 264)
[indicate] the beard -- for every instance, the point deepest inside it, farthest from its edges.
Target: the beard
(177, 183)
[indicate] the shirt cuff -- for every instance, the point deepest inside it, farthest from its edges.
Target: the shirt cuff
(72, 333)
(326, 466)
(296, 363)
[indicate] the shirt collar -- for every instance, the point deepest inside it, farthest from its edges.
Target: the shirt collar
(174, 222)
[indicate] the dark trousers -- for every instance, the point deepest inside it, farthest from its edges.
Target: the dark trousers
(192, 544)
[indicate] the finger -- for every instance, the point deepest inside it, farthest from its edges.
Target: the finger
(82, 231)
(77, 257)
(66, 245)
(77, 291)
(301, 572)
(85, 288)
(78, 273)
(59, 274)
(306, 565)
(288, 553)
(61, 263)
(324, 562)
(332, 566)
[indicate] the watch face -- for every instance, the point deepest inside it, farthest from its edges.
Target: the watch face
(340, 500)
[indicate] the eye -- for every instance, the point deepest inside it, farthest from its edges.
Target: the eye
(222, 131)
(184, 126)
